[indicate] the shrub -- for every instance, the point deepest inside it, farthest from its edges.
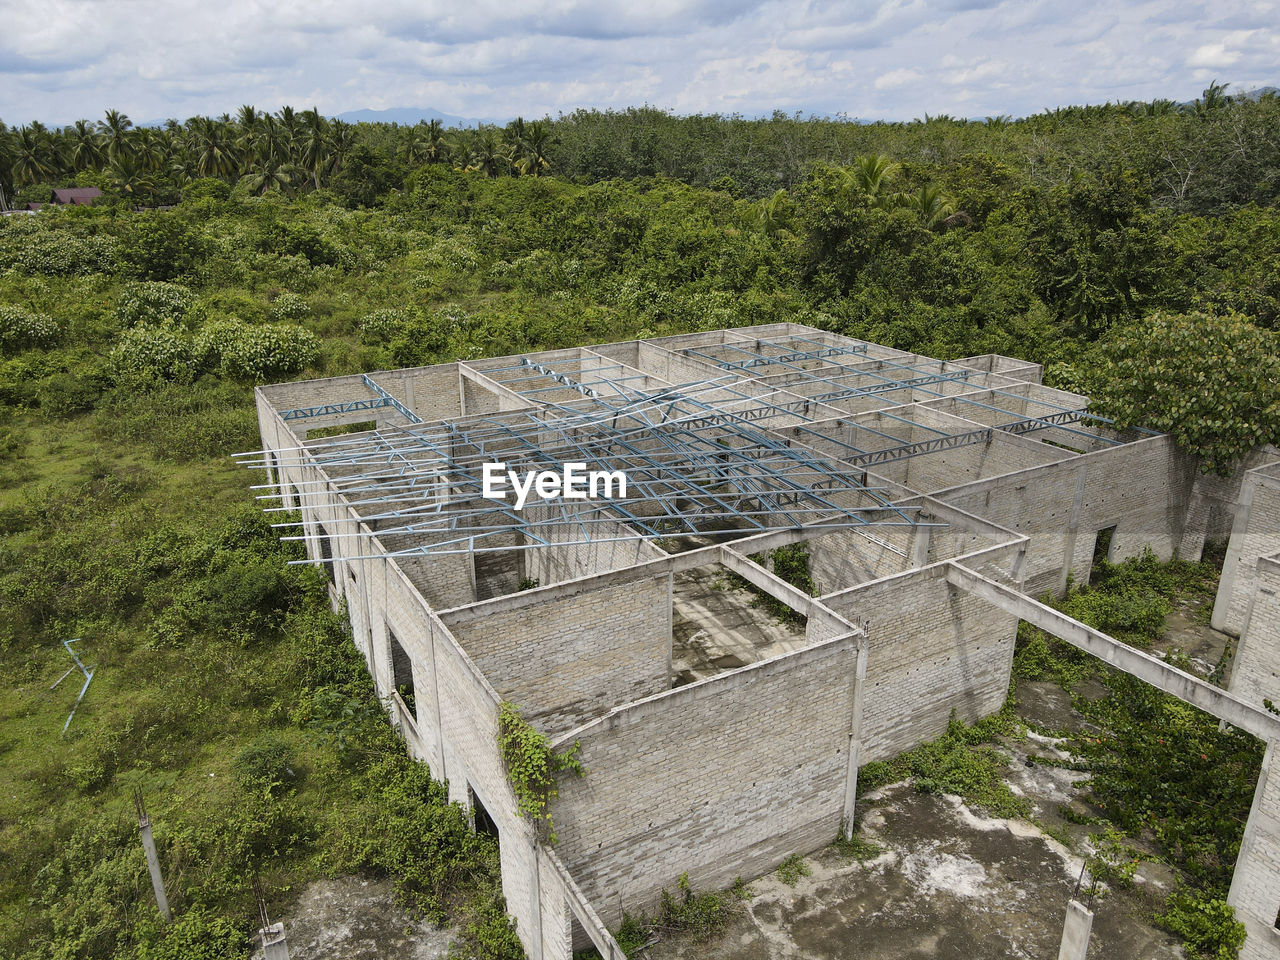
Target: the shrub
(58, 253)
(153, 355)
(162, 247)
(197, 934)
(249, 596)
(792, 869)
(488, 934)
(35, 193)
(297, 240)
(1208, 926)
(155, 302)
(257, 354)
(206, 188)
(700, 915)
(20, 329)
(64, 394)
(381, 325)
(266, 765)
(1113, 862)
(1166, 372)
(290, 306)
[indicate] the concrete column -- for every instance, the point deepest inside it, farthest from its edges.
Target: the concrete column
(1231, 564)
(274, 946)
(1073, 529)
(855, 736)
(153, 866)
(920, 547)
(1075, 932)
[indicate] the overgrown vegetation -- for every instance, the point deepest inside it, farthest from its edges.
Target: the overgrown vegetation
(532, 766)
(686, 914)
(792, 869)
(1160, 769)
(202, 636)
(789, 563)
(130, 342)
(961, 761)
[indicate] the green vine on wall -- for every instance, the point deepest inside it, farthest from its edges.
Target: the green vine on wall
(532, 766)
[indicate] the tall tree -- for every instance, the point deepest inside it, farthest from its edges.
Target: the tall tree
(85, 150)
(116, 126)
(531, 150)
(213, 148)
(315, 153)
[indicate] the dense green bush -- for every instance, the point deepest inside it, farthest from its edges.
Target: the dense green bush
(146, 355)
(162, 246)
(199, 934)
(155, 303)
(38, 249)
(1208, 926)
(290, 307)
(267, 764)
(1211, 382)
(21, 329)
(257, 354)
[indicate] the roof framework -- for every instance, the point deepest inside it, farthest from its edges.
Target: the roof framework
(726, 456)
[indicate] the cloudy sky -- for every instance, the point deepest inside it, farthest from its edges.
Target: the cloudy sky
(896, 59)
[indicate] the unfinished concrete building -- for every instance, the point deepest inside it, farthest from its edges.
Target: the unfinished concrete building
(934, 499)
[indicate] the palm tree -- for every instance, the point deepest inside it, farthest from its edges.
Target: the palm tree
(1214, 98)
(151, 150)
(771, 212)
(183, 167)
(871, 176)
(212, 147)
(315, 153)
(488, 154)
(131, 177)
(931, 204)
(342, 138)
(30, 163)
(247, 117)
(6, 164)
(116, 127)
(249, 124)
(426, 143)
(269, 144)
(270, 171)
(532, 150)
(289, 124)
(85, 149)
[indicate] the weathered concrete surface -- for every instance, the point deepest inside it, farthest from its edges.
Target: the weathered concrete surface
(1203, 645)
(716, 627)
(354, 919)
(949, 884)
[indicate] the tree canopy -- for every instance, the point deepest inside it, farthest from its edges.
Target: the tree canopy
(1211, 382)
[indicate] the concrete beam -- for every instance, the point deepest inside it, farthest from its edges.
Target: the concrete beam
(1184, 686)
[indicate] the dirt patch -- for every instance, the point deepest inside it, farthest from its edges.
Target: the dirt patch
(354, 919)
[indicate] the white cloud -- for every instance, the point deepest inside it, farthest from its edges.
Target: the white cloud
(897, 59)
(897, 78)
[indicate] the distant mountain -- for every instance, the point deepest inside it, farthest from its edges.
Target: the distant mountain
(411, 115)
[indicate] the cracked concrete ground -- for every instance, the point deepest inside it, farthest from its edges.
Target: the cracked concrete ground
(355, 919)
(716, 627)
(948, 884)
